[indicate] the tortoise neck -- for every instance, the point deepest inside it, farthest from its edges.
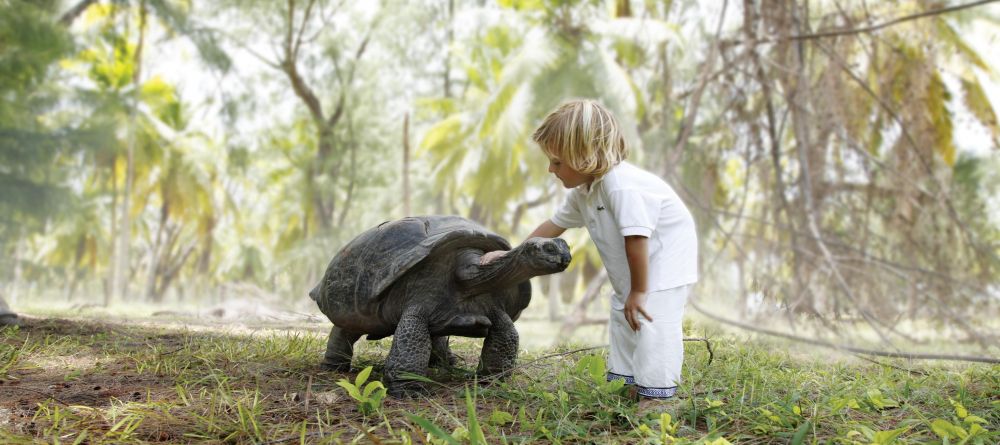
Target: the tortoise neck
(507, 271)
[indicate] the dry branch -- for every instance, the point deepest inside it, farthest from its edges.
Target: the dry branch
(847, 348)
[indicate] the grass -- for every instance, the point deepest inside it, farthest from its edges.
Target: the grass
(110, 382)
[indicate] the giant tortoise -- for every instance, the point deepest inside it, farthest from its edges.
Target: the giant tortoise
(419, 280)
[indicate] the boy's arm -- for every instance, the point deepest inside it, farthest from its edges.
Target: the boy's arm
(637, 253)
(547, 229)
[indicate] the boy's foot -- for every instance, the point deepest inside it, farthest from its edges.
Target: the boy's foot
(657, 406)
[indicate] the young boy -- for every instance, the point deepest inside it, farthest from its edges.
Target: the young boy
(644, 233)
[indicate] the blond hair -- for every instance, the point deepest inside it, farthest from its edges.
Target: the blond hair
(584, 135)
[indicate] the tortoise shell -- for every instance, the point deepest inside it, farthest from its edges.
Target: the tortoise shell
(368, 265)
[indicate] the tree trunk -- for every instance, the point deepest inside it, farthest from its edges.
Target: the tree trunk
(154, 252)
(578, 316)
(447, 52)
(120, 288)
(406, 164)
(15, 286)
(554, 288)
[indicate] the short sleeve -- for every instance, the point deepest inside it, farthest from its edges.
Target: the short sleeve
(569, 216)
(635, 212)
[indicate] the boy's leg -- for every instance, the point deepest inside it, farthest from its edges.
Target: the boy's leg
(659, 351)
(622, 342)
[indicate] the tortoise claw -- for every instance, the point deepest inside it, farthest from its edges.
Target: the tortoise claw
(400, 390)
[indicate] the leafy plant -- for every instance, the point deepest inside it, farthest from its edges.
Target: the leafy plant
(370, 397)
(968, 429)
(668, 431)
(593, 369)
(880, 402)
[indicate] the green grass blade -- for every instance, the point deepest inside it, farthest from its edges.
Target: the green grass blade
(476, 435)
(433, 429)
(800, 434)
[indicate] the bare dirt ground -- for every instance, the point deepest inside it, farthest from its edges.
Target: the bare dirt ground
(66, 380)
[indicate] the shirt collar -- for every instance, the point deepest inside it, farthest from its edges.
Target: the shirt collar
(587, 191)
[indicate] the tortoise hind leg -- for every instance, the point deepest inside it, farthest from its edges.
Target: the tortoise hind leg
(339, 350)
(441, 355)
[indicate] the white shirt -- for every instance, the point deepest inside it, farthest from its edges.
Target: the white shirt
(631, 201)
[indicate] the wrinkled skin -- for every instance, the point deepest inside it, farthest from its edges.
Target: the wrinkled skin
(443, 291)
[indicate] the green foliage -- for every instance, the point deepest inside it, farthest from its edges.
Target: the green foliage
(593, 370)
(967, 428)
(517, 72)
(369, 397)
(33, 175)
(31, 43)
(980, 106)
(436, 431)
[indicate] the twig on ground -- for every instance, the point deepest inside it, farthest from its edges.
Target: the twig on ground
(900, 368)
(825, 344)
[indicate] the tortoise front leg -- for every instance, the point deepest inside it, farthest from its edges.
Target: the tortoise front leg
(500, 347)
(410, 353)
(339, 350)
(441, 356)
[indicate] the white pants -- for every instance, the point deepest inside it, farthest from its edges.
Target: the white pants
(650, 358)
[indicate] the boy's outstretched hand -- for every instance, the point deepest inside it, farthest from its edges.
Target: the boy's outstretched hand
(488, 257)
(633, 307)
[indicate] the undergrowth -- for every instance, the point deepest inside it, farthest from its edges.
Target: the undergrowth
(89, 382)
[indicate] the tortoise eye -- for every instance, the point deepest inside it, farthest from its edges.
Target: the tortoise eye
(549, 248)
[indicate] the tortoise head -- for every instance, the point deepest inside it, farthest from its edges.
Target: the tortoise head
(534, 257)
(543, 256)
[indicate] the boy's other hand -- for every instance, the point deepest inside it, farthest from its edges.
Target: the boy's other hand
(633, 307)
(488, 257)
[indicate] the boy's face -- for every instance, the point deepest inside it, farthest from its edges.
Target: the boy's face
(569, 177)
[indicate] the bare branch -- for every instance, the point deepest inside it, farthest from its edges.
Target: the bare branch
(896, 21)
(840, 347)
(345, 86)
(69, 16)
(691, 112)
(302, 29)
(288, 65)
(579, 314)
(862, 30)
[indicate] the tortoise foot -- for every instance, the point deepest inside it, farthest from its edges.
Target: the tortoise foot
(410, 389)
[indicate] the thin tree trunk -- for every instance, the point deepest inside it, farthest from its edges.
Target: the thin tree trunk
(578, 315)
(15, 286)
(154, 257)
(110, 280)
(406, 163)
(555, 287)
(172, 271)
(447, 52)
(125, 235)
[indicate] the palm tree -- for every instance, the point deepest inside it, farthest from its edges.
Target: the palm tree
(33, 153)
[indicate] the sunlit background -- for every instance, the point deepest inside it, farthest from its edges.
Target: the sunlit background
(178, 160)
